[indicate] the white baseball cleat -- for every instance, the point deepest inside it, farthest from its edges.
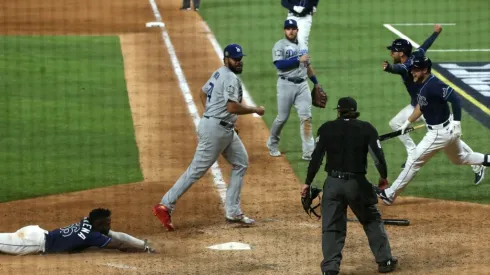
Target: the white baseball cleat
(240, 219)
(273, 151)
(306, 157)
(480, 175)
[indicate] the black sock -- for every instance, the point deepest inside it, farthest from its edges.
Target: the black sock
(486, 160)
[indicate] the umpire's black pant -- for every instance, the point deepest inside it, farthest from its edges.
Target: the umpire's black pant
(187, 4)
(359, 195)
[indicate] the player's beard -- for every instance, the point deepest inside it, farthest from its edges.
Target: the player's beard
(238, 68)
(293, 38)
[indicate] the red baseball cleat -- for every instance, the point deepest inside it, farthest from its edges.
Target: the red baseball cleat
(162, 213)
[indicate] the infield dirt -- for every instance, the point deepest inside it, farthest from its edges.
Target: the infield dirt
(443, 238)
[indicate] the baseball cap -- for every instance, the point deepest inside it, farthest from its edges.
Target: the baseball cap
(346, 104)
(233, 51)
(290, 23)
(421, 62)
(400, 45)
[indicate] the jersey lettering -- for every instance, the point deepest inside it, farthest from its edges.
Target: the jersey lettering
(210, 90)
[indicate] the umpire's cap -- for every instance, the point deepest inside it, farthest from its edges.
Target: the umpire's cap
(233, 51)
(400, 45)
(346, 104)
(421, 62)
(290, 23)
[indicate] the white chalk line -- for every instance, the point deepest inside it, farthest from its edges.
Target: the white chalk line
(120, 266)
(400, 34)
(422, 24)
(219, 52)
(186, 93)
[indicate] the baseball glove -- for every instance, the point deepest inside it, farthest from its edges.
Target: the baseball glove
(307, 201)
(318, 97)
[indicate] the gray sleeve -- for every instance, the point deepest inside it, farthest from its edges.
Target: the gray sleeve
(277, 52)
(230, 91)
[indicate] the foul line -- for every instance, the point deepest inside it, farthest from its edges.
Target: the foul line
(219, 52)
(461, 50)
(186, 93)
(440, 76)
(422, 24)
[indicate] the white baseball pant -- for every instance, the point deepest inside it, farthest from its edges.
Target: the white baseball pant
(437, 139)
(27, 240)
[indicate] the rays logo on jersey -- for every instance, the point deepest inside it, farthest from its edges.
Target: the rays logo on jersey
(422, 101)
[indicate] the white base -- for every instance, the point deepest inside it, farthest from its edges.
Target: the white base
(155, 25)
(231, 246)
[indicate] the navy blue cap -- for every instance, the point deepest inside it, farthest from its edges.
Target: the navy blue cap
(421, 62)
(400, 45)
(290, 23)
(347, 104)
(233, 51)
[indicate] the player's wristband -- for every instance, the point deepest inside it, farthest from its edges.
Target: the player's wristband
(313, 79)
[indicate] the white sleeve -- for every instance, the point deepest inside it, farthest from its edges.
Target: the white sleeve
(127, 239)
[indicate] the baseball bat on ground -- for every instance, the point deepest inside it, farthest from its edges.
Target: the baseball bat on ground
(398, 222)
(399, 132)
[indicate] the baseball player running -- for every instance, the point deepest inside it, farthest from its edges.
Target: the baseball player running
(222, 97)
(293, 65)
(401, 52)
(302, 12)
(443, 132)
(92, 231)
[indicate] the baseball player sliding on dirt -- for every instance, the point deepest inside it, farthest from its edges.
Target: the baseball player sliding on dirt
(222, 97)
(443, 132)
(92, 231)
(293, 67)
(401, 52)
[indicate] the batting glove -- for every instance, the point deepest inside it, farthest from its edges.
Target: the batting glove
(298, 9)
(404, 127)
(457, 128)
(314, 9)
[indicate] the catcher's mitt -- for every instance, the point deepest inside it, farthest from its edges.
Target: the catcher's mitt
(318, 97)
(307, 201)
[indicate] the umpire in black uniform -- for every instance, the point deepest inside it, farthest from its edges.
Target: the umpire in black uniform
(346, 142)
(186, 4)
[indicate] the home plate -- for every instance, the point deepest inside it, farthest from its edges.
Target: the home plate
(155, 24)
(231, 246)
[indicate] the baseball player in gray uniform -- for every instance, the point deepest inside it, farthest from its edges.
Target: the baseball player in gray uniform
(222, 97)
(293, 67)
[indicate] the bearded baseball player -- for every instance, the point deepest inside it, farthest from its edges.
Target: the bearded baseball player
(222, 97)
(92, 231)
(443, 129)
(401, 52)
(302, 12)
(293, 67)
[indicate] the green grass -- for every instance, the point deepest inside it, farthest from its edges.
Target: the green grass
(348, 45)
(66, 123)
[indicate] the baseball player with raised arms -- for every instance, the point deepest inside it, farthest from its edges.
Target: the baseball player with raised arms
(222, 97)
(443, 129)
(401, 52)
(92, 231)
(302, 12)
(293, 67)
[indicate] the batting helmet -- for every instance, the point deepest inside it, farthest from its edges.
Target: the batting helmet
(401, 45)
(422, 62)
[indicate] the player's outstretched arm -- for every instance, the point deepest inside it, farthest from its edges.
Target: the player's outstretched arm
(428, 42)
(127, 243)
(400, 69)
(240, 109)
(287, 5)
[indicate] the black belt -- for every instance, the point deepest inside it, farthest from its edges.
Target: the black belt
(295, 80)
(343, 175)
(224, 123)
(443, 125)
(300, 14)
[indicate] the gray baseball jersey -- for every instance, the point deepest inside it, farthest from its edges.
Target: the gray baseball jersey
(285, 49)
(221, 87)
